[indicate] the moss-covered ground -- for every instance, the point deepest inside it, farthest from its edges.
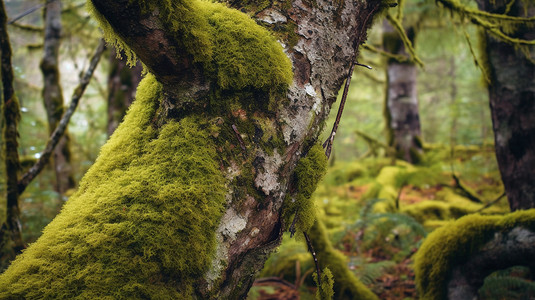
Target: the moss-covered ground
(377, 213)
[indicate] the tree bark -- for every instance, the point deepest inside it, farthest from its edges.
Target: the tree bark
(257, 126)
(10, 231)
(122, 83)
(53, 96)
(512, 104)
(401, 101)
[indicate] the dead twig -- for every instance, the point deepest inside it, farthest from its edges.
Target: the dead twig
(311, 250)
(491, 203)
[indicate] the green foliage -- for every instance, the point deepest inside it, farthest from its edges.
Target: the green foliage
(325, 290)
(512, 283)
(371, 271)
(394, 234)
(142, 223)
(309, 172)
(455, 243)
(346, 284)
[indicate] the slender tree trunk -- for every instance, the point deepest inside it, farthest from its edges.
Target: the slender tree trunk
(10, 231)
(511, 71)
(122, 83)
(188, 197)
(53, 96)
(401, 102)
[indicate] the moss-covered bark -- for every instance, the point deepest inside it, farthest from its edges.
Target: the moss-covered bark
(512, 102)
(53, 96)
(187, 197)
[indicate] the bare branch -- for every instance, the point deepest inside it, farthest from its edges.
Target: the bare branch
(60, 130)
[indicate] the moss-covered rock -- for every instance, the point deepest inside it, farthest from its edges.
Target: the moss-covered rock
(142, 224)
(455, 243)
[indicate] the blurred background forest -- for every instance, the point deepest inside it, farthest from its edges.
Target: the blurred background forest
(377, 207)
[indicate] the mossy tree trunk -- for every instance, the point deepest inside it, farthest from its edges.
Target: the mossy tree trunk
(512, 103)
(53, 96)
(122, 83)
(195, 187)
(401, 98)
(10, 232)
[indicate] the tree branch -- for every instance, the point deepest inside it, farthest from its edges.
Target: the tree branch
(60, 130)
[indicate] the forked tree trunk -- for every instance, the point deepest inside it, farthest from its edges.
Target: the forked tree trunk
(122, 83)
(53, 96)
(401, 100)
(188, 196)
(511, 71)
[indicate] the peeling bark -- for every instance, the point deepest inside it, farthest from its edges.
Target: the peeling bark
(53, 96)
(512, 104)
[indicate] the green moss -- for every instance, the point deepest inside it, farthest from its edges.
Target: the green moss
(309, 172)
(325, 290)
(142, 223)
(454, 244)
(346, 284)
(234, 50)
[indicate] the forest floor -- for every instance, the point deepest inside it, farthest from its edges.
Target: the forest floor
(378, 211)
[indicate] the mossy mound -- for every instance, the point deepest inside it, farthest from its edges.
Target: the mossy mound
(454, 243)
(142, 224)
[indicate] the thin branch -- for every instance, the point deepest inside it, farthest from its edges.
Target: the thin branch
(27, 27)
(292, 227)
(397, 57)
(60, 130)
(406, 41)
(29, 11)
(466, 192)
(491, 203)
(328, 144)
(311, 250)
(464, 10)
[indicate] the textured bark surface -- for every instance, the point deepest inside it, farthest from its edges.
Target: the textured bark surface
(10, 231)
(512, 104)
(53, 95)
(507, 249)
(320, 37)
(401, 103)
(122, 83)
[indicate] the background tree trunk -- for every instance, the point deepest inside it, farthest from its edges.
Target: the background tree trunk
(194, 187)
(512, 104)
(10, 232)
(401, 102)
(53, 96)
(122, 83)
